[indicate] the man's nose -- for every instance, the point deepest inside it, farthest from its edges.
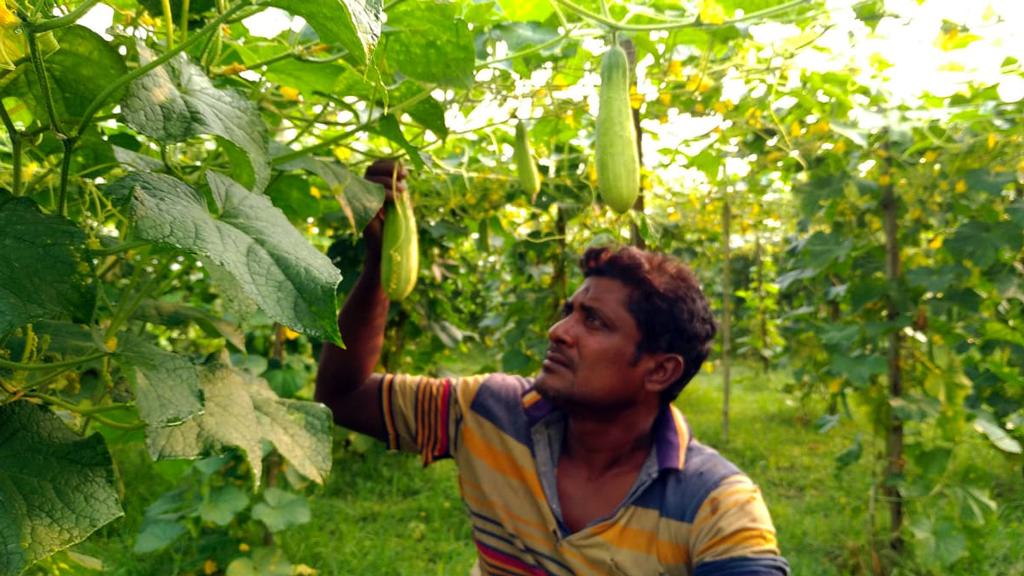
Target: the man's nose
(561, 331)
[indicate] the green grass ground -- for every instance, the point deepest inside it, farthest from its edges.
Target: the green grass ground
(381, 513)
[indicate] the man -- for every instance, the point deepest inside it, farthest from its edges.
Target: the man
(587, 468)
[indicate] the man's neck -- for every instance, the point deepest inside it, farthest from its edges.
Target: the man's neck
(602, 443)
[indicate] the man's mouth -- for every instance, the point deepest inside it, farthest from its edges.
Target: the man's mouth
(554, 358)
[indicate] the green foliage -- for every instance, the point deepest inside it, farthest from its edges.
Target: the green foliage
(169, 190)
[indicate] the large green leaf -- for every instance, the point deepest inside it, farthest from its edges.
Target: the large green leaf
(56, 488)
(42, 265)
(281, 509)
(359, 198)
(430, 43)
(223, 504)
(250, 239)
(83, 67)
(355, 24)
(242, 411)
(166, 384)
(177, 101)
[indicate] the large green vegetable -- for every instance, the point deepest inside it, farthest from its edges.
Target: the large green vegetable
(529, 176)
(618, 162)
(400, 254)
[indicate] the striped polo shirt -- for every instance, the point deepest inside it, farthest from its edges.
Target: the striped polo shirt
(690, 510)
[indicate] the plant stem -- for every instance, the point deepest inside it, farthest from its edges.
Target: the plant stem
(528, 51)
(8, 365)
(15, 137)
(123, 81)
(165, 5)
(65, 20)
(90, 412)
(675, 24)
(324, 144)
(65, 172)
(44, 83)
(184, 19)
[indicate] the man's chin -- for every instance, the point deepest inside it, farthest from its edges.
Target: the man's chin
(548, 388)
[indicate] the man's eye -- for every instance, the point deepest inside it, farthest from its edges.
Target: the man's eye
(594, 321)
(566, 310)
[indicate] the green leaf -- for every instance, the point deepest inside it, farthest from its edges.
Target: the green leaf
(851, 454)
(264, 562)
(166, 384)
(56, 488)
(223, 505)
(430, 43)
(859, 369)
(281, 509)
(1000, 331)
(175, 314)
(157, 535)
(987, 425)
(360, 199)
(81, 70)
(177, 101)
(251, 240)
(388, 127)
(354, 24)
(242, 411)
(526, 10)
(42, 266)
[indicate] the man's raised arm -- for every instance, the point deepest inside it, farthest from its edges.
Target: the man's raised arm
(345, 381)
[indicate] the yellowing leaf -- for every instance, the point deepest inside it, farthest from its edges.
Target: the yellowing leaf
(233, 68)
(711, 12)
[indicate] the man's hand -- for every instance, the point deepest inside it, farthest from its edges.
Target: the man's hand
(391, 175)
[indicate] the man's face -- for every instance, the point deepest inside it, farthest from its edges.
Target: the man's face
(591, 352)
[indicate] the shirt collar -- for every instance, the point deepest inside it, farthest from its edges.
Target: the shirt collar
(671, 431)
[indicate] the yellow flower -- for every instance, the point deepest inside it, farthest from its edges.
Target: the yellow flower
(675, 68)
(931, 156)
(818, 128)
(936, 243)
(961, 186)
(884, 180)
(840, 147)
(665, 98)
(992, 140)
(7, 18)
(290, 334)
(289, 93)
(635, 98)
(711, 12)
(209, 567)
(795, 129)
(314, 192)
(243, 547)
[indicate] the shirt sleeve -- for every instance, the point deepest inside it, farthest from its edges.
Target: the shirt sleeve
(423, 414)
(733, 533)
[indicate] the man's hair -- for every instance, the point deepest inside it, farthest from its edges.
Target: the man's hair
(665, 301)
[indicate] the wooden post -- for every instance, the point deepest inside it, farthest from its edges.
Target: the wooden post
(894, 433)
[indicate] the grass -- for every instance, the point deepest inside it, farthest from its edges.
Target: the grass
(381, 513)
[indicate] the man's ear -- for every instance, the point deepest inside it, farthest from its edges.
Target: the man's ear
(665, 369)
